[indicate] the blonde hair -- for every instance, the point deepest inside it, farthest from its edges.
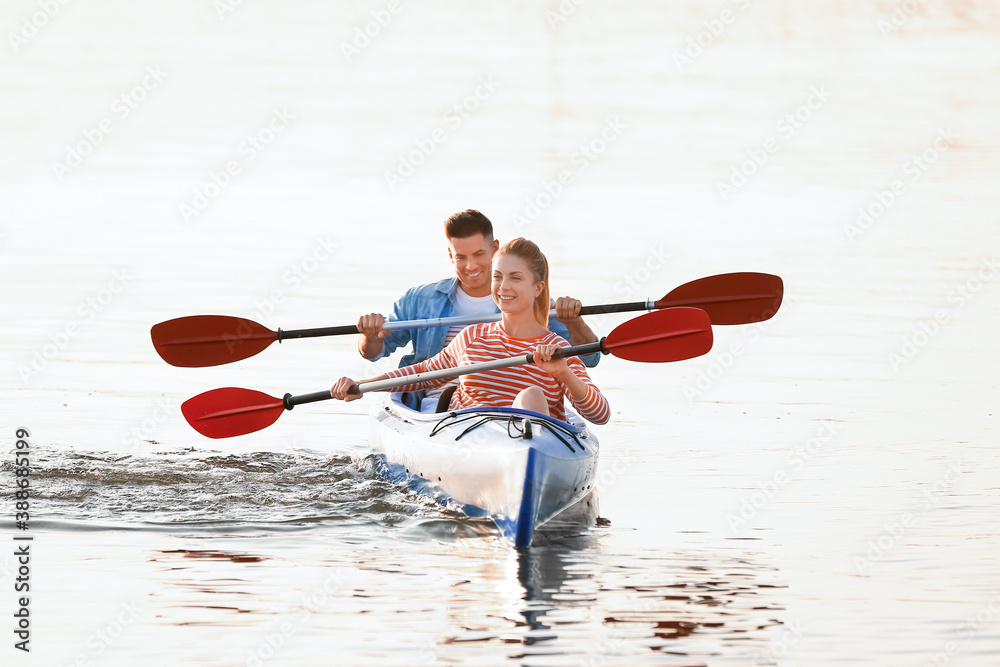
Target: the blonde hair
(539, 266)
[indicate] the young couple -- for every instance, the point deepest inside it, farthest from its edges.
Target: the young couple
(514, 280)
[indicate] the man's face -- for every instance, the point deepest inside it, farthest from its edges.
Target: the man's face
(472, 258)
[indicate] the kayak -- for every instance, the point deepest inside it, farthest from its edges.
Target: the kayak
(520, 468)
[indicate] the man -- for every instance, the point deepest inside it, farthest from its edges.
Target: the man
(470, 248)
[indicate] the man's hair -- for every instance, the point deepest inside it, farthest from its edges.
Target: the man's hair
(468, 223)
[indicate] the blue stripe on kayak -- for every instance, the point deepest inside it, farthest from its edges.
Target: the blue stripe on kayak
(529, 505)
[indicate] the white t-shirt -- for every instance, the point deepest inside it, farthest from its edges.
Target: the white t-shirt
(465, 306)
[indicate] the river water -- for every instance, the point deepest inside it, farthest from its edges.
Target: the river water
(822, 488)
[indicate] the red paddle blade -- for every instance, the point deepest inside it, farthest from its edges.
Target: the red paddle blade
(228, 412)
(209, 340)
(665, 335)
(730, 298)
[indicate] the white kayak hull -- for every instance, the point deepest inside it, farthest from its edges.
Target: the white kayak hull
(479, 461)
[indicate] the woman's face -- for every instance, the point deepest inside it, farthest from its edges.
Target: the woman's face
(514, 288)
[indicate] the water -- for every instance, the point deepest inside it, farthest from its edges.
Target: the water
(820, 489)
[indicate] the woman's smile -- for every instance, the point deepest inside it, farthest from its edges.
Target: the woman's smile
(514, 287)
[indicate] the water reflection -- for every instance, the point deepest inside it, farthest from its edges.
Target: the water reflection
(580, 593)
(234, 557)
(212, 589)
(690, 605)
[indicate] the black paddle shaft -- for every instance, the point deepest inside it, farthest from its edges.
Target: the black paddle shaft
(291, 401)
(615, 308)
(318, 332)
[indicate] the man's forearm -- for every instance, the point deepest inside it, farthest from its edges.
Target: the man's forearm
(580, 332)
(369, 349)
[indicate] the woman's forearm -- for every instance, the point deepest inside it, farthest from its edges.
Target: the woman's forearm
(575, 387)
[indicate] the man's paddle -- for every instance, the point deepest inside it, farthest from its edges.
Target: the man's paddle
(665, 335)
(211, 340)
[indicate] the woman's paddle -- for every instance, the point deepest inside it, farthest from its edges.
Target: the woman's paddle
(666, 335)
(211, 340)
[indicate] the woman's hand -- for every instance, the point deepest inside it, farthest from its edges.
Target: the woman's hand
(560, 370)
(341, 387)
(557, 368)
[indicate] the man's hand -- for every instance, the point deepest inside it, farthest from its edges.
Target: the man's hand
(372, 333)
(568, 312)
(568, 309)
(371, 326)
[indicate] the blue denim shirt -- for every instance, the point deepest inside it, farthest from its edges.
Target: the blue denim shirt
(438, 300)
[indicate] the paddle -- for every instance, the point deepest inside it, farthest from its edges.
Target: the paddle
(665, 335)
(211, 340)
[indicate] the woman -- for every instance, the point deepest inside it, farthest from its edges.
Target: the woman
(520, 289)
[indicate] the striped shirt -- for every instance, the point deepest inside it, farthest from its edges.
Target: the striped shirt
(465, 306)
(498, 388)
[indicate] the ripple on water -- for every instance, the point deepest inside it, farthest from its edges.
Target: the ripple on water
(261, 489)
